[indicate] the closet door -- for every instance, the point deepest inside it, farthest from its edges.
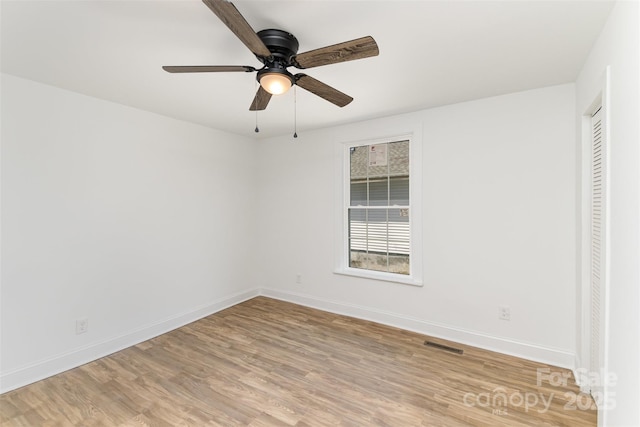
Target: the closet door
(598, 248)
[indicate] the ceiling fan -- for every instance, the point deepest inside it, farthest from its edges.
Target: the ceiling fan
(277, 50)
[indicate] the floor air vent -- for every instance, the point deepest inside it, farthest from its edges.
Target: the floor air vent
(443, 347)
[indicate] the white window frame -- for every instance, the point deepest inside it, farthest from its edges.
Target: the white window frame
(342, 188)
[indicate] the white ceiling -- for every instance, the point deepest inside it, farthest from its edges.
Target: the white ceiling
(432, 53)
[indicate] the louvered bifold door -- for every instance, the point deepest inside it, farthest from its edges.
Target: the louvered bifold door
(598, 199)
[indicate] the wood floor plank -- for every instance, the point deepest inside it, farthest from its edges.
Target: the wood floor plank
(270, 363)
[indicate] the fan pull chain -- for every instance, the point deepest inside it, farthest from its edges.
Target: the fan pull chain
(254, 106)
(256, 130)
(295, 112)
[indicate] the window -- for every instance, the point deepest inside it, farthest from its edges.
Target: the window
(377, 217)
(378, 209)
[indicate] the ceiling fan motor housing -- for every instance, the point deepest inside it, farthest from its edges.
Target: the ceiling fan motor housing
(282, 44)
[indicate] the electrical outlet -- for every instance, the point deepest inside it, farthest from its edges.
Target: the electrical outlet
(299, 279)
(504, 313)
(82, 326)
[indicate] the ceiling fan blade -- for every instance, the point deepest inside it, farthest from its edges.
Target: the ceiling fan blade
(232, 18)
(261, 100)
(363, 47)
(322, 90)
(206, 68)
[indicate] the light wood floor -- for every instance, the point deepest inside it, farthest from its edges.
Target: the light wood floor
(270, 363)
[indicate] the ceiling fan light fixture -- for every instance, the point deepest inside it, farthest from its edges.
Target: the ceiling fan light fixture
(275, 82)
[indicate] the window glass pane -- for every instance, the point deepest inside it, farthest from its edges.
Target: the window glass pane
(399, 191)
(376, 261)
(366, 261)
(357, 237)
(399, 158)
(359, 163)
(377, 172)
(399, 239)
(357, 230)
(379, 192)
(377, 218)
(358, 192)
(399, 215)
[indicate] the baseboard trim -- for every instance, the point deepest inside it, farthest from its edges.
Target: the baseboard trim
(551, 356)
(77, 357)
(580, 377)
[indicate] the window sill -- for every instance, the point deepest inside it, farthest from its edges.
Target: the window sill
(377, 275)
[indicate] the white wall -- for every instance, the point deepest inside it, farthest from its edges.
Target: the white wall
(618, 48)
(499, 224)
(136, 221)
